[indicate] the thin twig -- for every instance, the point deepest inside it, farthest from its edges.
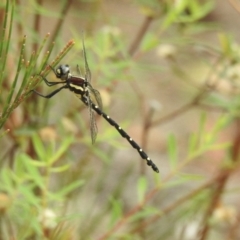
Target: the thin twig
(145, 132)
(176, 204)
(220, 185)
(36, 27)
(235, 5)
(234, 230)
(136, 42)
(66, 7)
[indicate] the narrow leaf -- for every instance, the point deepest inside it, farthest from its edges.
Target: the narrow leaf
(172, 151)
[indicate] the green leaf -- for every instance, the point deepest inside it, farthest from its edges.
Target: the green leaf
(149, 42)
(62, 168)
(39, 147)
(7, 183)
(141, 188)
(172, 151)
(196, 139)
(145, 213)
(190, 177)
(192, 143)
(117, 210)
(37, 163)
(33, 172)
(227, 45)
(183, 178)
(28, 194)
(63, 148)
(70, 187)
(195, 10)
(187, 11)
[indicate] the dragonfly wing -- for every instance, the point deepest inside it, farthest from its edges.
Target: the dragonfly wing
(93, 125)
(96, 95)
(87, 70)
(78, 70)
(98, 98)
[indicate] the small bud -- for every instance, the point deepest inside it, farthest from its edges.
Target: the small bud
(166, 51)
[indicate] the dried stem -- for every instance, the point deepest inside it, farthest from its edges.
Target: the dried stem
(37, 26)
(220, 184)
(61, 19)
(140, 35)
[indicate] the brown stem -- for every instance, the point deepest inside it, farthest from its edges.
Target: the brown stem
(20, 30)
(176, 204)
(136, 42)
(64, 11)
(220, 185)
(215, 199)
(234, 230)
(36, 27)
(235, 5)
(145, 133)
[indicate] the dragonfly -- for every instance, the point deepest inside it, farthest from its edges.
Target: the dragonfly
(82, 88)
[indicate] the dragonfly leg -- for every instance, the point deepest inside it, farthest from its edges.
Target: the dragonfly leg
(48, 83)
(52, 93)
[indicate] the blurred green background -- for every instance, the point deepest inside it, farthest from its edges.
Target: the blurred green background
(168, 73)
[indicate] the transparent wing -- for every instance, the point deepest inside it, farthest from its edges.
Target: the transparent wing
(87, 70)
(78, 70)
(93, 125)
(96, 95)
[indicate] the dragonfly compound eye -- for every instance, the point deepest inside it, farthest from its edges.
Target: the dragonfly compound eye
(63, 71)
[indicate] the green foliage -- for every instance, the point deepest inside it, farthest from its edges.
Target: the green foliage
(54, 184)
(142, 188)
(19, 89)
(172, 151)
(29, 176)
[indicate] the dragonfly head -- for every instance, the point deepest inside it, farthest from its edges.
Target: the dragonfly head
(63, 72)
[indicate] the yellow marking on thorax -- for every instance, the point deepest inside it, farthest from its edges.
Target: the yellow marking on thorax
(76, 87)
